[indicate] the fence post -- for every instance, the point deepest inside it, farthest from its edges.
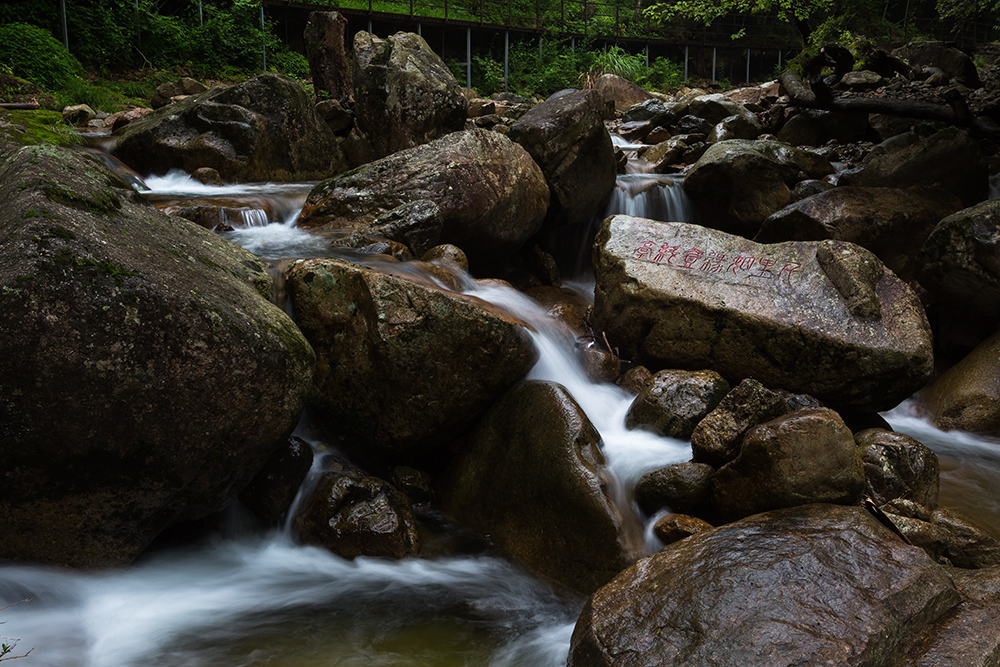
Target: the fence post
(201, 14)
(263, 41)
(686, 63)
(506, 60)
(62, 8)
(468, 57)
(714, 53)
(748, 64)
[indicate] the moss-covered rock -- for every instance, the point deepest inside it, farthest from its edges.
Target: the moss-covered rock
(30, 128)
(144, 377)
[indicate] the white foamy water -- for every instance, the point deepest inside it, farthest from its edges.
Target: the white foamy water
(654, 196)
(269, 602)
(630, 453)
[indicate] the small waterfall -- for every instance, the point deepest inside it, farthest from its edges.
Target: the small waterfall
(654, 196)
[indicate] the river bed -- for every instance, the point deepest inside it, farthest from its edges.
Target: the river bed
(247, 597)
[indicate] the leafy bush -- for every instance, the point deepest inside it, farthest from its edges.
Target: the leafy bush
(487, 75)
(291, 63)
(663, 74)
(34, 54)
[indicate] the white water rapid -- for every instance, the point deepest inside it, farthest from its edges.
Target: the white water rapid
(250, 599)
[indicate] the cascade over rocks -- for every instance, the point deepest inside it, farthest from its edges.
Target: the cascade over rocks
(138, 350)
(567, 138)
(807, 456)
(738, 183)
(404, 93)
(533, 479)
(823, 318)
(401, 366)
(948, 158)
(491, 195)
(809, 585)
(890, 222)
(265, 129)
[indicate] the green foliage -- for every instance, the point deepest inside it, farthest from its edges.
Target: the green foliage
(541, 74)
(34, 54)
(487, 75)
(617, 60)
(663, 74)
(288, 62)
(81, 91)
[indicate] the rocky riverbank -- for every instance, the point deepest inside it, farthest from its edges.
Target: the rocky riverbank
(149, 380)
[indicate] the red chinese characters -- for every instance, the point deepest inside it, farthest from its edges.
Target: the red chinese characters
(763, 267)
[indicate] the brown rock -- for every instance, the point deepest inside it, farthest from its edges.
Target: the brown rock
(807, 456)
(812, 585)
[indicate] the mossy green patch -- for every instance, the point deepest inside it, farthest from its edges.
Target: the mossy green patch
(30, 128)
(102, 203)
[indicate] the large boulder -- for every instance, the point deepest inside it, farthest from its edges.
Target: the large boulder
(823, 318)
(949, 158)
(265, 129)
(815, 127)
(401, 365)
(807, 456)
(890, 222)
(619, 92)
(404, 94)
(967, 396)
(811, 585)
(567, 138)
(491, 195)
(955, 64)
(716, 107)
(145, 377)
(329, 64)
(533, 479)
(960, 261)
(738, 183)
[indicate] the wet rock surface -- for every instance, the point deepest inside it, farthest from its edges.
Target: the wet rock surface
(491, 194)
(807, 456)
(825, 319)
(533, 479)
(566, 137)
(807, 585)
(401, 365)
(405, 95)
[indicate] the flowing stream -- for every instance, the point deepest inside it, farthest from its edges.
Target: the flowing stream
(248, 598)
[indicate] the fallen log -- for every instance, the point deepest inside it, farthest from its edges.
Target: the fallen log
(954, 112)
(19, 105)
